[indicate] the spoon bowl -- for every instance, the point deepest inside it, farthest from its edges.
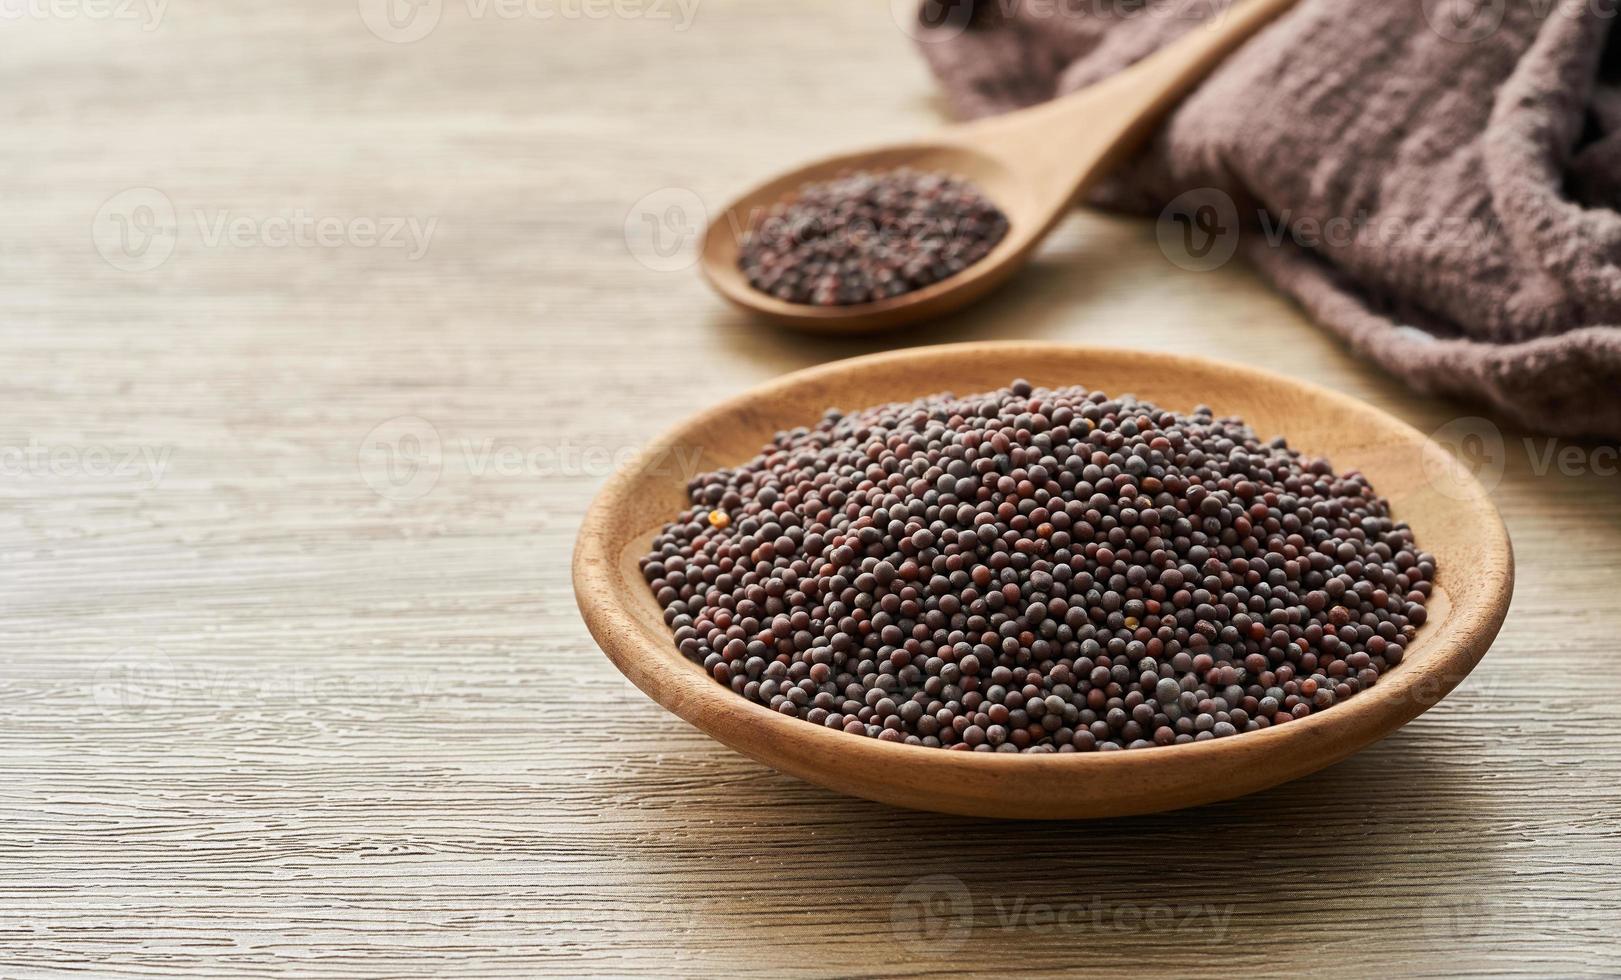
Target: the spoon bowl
(1450, 513)
(1034, 164)
(1006, 187)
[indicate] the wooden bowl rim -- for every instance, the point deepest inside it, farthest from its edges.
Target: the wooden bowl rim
(755, 730)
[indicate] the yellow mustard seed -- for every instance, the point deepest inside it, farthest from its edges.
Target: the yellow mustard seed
(719, 519)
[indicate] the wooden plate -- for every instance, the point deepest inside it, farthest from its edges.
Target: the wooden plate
(1450, 513)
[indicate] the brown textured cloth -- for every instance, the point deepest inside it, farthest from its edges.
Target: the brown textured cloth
(1471, 150)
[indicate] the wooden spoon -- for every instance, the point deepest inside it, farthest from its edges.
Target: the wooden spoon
(1034, 164)
(1450, 513)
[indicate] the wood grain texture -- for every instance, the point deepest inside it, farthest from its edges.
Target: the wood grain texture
(262, 720)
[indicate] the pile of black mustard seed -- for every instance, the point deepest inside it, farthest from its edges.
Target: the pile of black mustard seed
(868, 236)
(1038, 570)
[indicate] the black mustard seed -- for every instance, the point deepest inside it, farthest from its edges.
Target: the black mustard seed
(1039, 570)
(867, 236)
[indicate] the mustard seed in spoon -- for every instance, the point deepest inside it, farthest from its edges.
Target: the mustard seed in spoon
(868, 236)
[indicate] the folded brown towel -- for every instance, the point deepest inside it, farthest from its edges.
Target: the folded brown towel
(1437, 181)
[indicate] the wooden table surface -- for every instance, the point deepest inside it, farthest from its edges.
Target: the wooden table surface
(318, 342)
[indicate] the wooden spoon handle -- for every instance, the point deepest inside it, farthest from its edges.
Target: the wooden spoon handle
(1068, 143)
